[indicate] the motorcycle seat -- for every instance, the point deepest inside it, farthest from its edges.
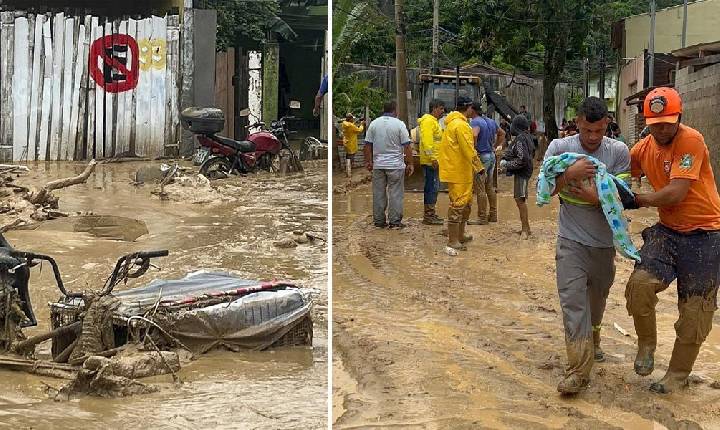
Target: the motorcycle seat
(239, 145)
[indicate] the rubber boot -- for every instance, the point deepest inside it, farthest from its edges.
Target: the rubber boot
(599, 354)
(454, 236)
(430, 218)
(580, 362)
(647, 341)
(465, 215)
(492, 199)
(348, 168)
(482, 218)
(681, 364)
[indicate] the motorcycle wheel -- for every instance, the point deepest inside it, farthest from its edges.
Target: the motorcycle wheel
(270, 162)
(216, 168)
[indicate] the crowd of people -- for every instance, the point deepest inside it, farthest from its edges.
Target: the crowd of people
(589, 167)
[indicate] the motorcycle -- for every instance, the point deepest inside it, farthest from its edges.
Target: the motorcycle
(264, 149)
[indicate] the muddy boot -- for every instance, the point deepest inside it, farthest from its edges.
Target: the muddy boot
(580, 362)
(599, 354)
(492, 197)
(465, 215)
(348, 168)
(681, 364)
(573, 384)
(454, 237)
(482, 218)
(430, 218)
(647, 340)
(641, 295)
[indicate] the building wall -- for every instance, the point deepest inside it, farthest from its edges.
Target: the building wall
(700, 92)
(78, 87)
(702, 27)
(610, 89)
(631, 81)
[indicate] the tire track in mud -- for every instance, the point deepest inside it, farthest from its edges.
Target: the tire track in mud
(463, 347)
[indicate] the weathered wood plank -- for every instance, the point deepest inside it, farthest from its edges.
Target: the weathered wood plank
(142, 98)
(82, 61)
(47, 92)
(99, 102)
(57, 113)
(67, 92)
(159, 64)
(109, 99)
(7, 44)
(172, 85)
(79, 65)
(21, 88)
(90, 147)
(124, 98)
(37, 87)
(130, 108)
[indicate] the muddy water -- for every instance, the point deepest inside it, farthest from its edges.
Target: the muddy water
(424, 340)
(286, 388)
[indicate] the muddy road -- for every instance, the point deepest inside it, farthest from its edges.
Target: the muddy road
(424, 340)
(230, 226)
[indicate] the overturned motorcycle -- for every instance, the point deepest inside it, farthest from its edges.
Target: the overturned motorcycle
(198, 313)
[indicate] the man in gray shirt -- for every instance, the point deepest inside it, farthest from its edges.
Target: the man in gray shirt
(585, 256)
(388, 155)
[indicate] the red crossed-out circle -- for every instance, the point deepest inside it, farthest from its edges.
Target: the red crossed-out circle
(98, 54)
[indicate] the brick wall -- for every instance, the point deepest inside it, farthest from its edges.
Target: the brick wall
(700, 92)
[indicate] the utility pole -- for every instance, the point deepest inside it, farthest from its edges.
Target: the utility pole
(400, 61)
(586, 73)
(684, 36)
(436, 35)
(651, 68)
(602, 74)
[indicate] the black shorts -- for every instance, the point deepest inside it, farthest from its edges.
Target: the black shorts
(349, 156)
(692, 258)
(520, 187)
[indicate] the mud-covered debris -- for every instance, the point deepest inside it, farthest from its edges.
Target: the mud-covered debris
(150, 174)
(96, 378)
(287, 242)
(715, 385)
(300, 237)
(352, 184)
(97, 330)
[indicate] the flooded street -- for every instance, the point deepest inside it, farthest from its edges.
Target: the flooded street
(231, 226)
(425, 340)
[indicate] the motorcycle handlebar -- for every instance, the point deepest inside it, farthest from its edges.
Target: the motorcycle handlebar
(29, 256)
(153, 254)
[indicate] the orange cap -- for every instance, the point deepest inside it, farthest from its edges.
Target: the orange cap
(662, 105)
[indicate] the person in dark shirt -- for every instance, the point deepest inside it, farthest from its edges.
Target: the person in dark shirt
(518, 162)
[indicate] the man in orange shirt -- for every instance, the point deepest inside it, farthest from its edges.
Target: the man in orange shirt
(684, 245)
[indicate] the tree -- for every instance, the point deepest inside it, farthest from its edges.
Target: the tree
(242, 20)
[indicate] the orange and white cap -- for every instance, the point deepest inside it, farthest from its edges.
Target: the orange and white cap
(662, 104)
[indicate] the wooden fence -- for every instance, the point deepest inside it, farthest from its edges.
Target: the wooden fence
(80, 87)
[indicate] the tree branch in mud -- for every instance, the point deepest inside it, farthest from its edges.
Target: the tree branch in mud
(44, 195)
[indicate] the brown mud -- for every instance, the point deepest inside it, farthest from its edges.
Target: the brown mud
(425, 340)
(231, 226)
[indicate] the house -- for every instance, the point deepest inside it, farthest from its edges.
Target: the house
(83, 79)
(631, 39)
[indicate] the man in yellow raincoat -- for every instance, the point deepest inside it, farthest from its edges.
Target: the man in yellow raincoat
(459, 162)
(430, 135)
(350, 131)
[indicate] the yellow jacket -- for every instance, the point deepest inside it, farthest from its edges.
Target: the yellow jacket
(457, 156)
(430, 135)
(350, 133)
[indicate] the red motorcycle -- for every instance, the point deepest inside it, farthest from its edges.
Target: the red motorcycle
(264, 149)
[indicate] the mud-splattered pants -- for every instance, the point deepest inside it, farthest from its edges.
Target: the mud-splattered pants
(694, 260)
(584, 277)
(388, 187)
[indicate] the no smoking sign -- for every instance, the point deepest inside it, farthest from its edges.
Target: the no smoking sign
(114, 63)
